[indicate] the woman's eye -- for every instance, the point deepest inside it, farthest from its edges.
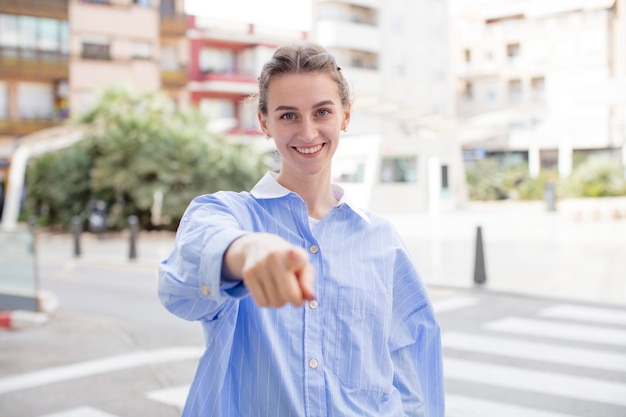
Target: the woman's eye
(288, 116)
(323, 112)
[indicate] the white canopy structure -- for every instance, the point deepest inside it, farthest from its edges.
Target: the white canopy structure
(35, 144)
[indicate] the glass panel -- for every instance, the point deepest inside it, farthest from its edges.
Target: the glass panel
(8, 30)
(4, 102)
(218, 61)
(399, 169)
(49, 36)
(17, 263)
(35, 100)
(27, 32)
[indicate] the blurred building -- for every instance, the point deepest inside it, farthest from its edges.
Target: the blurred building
(225, 59)
(400, 154)
(56, 56)
(542, 82)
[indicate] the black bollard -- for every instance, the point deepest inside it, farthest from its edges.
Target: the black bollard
(480, 275)
(32, 225)
(133, 224)
(77, 228)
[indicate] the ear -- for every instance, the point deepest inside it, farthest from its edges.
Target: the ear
(346, 117)
(263, 124)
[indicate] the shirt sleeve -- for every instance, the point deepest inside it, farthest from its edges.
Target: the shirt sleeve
(415, 344)
(190, 281)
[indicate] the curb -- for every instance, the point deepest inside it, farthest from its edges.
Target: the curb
(21, 319)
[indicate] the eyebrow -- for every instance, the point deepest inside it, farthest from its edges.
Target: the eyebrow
(320, 104)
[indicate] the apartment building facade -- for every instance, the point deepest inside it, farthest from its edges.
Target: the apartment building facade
(540, 81)
(56, 55)
(225, 60)
(400, 155)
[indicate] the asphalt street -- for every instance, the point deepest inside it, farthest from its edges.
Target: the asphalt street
(542, 347)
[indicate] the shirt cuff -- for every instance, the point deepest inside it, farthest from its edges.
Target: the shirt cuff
(211, 278)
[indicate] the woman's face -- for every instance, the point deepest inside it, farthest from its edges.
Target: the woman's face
(304, 116)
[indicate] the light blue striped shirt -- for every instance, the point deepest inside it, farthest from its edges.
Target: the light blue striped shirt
(369, 345)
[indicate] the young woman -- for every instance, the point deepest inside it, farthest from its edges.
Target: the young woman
(310, 306)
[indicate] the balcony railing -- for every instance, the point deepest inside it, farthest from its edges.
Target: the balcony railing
(175, 25)
(174, 78)
(33, 63)
(54, 9)
(19, 127)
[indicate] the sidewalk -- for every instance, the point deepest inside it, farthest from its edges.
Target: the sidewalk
(527, 250)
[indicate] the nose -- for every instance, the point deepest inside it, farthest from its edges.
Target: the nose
(308, 129)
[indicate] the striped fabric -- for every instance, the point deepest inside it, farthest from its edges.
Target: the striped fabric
(369, 345)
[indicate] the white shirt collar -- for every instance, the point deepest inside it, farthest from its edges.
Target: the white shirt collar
(268, 187)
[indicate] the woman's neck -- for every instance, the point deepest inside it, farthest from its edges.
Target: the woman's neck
(316, 191)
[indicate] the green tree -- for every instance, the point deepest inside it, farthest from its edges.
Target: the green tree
(138, 147)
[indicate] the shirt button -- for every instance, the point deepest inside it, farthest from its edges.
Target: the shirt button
(313, 363)
(314, 249)
(205, 290)
(313, 304)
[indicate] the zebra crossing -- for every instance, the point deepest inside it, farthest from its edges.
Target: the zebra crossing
(569, 355)
(559, 360)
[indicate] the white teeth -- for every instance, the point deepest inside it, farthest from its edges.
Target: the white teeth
(309, 150)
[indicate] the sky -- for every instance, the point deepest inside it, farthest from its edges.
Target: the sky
(289, 14)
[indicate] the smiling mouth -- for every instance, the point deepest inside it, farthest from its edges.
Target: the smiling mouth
(310, 150)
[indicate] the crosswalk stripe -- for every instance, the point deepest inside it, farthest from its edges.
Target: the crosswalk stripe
(583, 313)
(577, 332)
(453, 303)
(175, 396)
(97, 366)
(80, 412)
(569, 386)
(541, 352)
(461, 406)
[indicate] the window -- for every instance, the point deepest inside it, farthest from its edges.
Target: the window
(398, 169)
(27, 32)
(168, 8)
(467, 56)
(513, 52)
(4, 101)
(49, 35)
(142, 50)
(169, 58)
(9, 33)
(538, 86)
(445, 182)
(515, 91)
(467, 92)
(35, 100)
(349, 170)
(95, 47)
(219, 61)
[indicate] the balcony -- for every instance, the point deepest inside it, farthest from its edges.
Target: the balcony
(20, 127)
(224, 83)
(174, 78)
(175, 25)
(33, 63)
(54, 9)
(349, 35)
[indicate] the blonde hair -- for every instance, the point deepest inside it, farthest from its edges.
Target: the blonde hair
(298, 59)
